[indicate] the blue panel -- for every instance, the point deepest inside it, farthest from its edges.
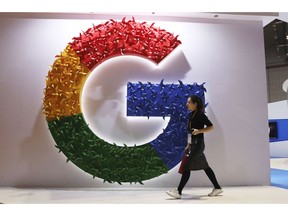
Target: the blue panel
(279, 178)
(278, 130)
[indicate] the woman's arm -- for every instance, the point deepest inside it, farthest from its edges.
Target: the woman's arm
(204, 130)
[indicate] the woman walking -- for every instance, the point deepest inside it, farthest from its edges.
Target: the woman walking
(198, 124)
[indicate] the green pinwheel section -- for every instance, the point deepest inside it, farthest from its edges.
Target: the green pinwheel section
(97, 157)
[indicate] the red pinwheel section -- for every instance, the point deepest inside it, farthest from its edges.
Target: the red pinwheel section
(123, 38)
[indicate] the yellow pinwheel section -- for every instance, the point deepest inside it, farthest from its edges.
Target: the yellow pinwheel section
(63, 85)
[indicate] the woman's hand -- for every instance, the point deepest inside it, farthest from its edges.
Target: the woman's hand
(187, 149)
(204, 130)
(196, 131)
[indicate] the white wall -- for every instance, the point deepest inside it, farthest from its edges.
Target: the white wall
(229, 57)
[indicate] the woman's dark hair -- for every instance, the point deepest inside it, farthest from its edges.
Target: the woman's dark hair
(198, 100)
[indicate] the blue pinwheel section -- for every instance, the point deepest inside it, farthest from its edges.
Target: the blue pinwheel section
(165, 100)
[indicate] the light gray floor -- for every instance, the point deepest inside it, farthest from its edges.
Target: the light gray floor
(272, 200)
(279, 163)
(231, 195)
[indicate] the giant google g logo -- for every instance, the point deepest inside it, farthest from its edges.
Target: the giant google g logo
(65, 119)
